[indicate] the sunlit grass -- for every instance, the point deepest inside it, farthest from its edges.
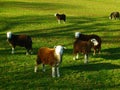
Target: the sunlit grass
(36, 18)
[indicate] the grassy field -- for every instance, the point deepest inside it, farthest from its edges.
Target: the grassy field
(36, 18)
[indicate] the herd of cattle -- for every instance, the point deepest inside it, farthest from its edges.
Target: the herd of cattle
(53, 56)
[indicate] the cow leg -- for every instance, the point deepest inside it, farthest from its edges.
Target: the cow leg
(53, 71)
(94, 51)
(58, 21)
(76, 56)
(43, 67)
(63, 21)
(99, 49)
(86, 58)
(35, 69)
(58, 73)
(13, 50)
(27, 52)
(38, 61)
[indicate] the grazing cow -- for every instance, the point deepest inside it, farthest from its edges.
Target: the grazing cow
(60, 17)
(50, 56)
(19, 40)
(114, 15)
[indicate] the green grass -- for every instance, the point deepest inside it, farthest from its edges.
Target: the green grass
(36, 18)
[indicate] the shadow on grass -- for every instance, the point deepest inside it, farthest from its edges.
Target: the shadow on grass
(76, 24)
(35, 5)
(18, 51)
(92, 67)
(26, 78)
(89, 25)
(12, 22)
(111, 53)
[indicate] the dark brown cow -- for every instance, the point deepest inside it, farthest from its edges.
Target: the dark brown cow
(20, 40)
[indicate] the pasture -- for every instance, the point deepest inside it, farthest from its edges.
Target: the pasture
(36, 18)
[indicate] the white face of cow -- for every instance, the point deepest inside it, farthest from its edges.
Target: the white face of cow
(95, 42)
(77, 34)
(9, 35)
(59, 49)
(55, 14)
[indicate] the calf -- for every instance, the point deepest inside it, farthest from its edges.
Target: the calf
(60, 17)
